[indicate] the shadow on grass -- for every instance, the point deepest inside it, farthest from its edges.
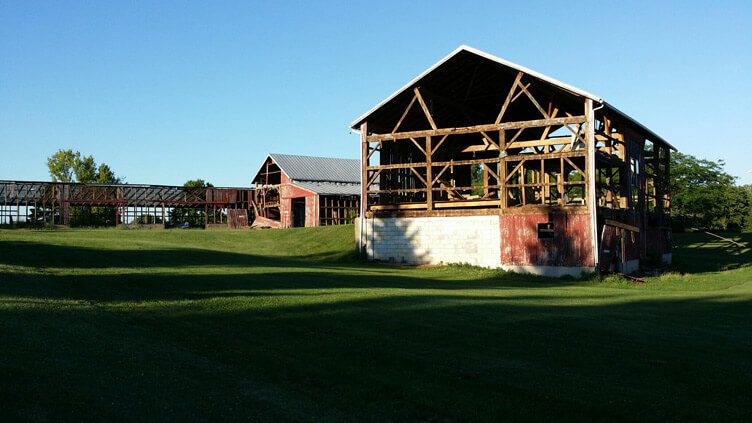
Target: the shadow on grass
(40, 255)
(304, 271)
(311, 338)
(404, 355)
(699, 253)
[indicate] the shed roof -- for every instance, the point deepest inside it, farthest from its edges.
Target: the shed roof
(466, 53)
(313, 168)
(330, 188)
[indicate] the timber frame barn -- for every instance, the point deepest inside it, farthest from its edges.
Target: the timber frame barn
(305, 191)
(479, 160)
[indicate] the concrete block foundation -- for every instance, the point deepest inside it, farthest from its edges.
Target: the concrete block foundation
(473, 240)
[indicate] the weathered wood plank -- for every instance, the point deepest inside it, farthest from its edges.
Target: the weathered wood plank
(478, 128)
(425, 108)
(508, 99)
(622, 225)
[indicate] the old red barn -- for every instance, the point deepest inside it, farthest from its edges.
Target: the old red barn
(483, 161)
(297, 191)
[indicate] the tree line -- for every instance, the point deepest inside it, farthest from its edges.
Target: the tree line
(705, 196)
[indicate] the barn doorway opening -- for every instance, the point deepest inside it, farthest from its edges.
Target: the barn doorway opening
(298, 212)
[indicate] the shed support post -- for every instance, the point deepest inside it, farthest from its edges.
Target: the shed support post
(590, 169)
(363, 186)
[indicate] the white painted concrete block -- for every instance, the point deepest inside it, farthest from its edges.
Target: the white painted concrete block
(433, 240)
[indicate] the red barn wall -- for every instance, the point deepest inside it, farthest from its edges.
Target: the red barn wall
(572, 244)
(287, 192)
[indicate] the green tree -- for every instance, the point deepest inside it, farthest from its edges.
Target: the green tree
(71, 166)
(85, 168)
(703, 195)
(747, 222)
(105, 175)
(738, 208)
(197, 183)
(61, 165)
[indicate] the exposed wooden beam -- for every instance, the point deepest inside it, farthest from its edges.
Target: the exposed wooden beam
(476, 203)
(438, 176)
(508, 99)
(535, 102)
(422, 150)
(404, 114)
(398, 206)
(415, 172)
(373, 150)
(438, 144)
(451, 163)
(425, 108)
(480, 147)
(519, 93)
(541, 143)
(577, 168)
(516, 168)
(478, 128)
(622, 225)
(489, 140)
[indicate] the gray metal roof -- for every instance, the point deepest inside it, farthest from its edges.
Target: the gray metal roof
(330, 188)
(311, 168)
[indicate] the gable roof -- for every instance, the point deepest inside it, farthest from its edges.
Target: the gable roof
(463, 49)
(313, 168)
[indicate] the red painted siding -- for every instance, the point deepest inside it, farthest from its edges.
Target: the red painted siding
(571, 245)
(287, 192)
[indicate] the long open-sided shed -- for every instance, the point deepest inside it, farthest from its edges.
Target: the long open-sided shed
(482, 161)
(296, 191)
(63, 203)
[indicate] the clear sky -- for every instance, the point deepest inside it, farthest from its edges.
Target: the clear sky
(169, 91)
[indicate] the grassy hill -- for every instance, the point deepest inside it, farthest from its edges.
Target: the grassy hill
(287, 324)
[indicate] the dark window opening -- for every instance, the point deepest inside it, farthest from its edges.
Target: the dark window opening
(546, 230)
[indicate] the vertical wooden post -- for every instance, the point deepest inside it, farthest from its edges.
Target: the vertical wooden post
(429, 175)
(542, 182)
(363, 185)
(523, 182)
(590, 169)
(560, 182)
(501, 169)
(485, 180)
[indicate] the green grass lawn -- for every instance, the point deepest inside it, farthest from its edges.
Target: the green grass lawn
(288, 325)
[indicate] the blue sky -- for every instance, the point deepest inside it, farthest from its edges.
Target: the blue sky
(169, 91)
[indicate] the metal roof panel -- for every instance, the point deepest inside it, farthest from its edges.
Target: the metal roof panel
(312, 168)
